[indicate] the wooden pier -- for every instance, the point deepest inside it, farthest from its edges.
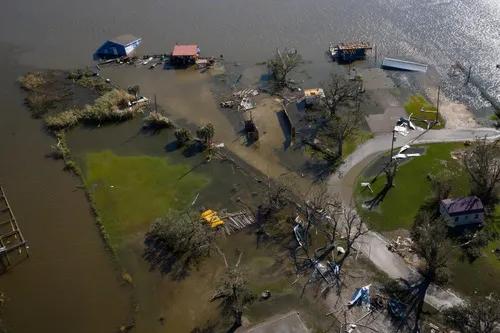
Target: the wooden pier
(12, 242)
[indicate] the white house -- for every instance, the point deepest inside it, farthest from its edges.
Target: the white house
(462, 211)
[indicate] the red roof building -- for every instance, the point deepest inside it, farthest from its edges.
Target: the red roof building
(185, 51)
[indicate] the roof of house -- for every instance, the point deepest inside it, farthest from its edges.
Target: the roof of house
(124, 39)
(353, 46)
(185, 50)
(459, 206)
(404, 65)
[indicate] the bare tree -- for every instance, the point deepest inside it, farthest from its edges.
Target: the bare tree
(344, 125)
(282, 64)
(482, 163)
(341, 227)
(480, 315)
(339, 90)
(430, 243)
(233, 293)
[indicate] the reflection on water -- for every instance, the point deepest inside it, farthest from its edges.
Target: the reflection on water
(68, 283)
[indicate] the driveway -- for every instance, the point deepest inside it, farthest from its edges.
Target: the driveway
(374, 245)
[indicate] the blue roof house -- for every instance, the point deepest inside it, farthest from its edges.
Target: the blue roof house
(117, 47)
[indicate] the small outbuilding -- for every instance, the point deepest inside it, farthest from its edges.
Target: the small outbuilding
(462, 211)
(185, 54)
(121, 46)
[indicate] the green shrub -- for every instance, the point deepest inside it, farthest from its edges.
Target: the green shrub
(63, 120)
(40, 104)
(32, 80)
(157, 120)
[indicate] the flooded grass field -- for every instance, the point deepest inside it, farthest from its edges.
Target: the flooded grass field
(72, 283)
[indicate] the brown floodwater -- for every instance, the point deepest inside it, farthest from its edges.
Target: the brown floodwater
(69, 278)
(70, 283)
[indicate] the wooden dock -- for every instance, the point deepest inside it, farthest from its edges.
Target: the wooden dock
(12, 241)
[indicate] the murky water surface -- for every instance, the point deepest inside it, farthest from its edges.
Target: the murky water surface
(70, 283)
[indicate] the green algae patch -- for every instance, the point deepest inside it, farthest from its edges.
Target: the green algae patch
(129, 192)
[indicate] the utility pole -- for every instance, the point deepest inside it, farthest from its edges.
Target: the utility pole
(468, 75)
(392, 143)
(437, 105)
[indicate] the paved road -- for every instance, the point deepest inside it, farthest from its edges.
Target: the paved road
(373, 244)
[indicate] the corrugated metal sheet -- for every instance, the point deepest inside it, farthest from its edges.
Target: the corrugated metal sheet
(404, 65)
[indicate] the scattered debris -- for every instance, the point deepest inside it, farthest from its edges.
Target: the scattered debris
(227, 104)
(246, 104)
(312, 96)
(367, 185)
(396, 308)
(404, 156)
(401, 246)
(147, 61)
(237, 221)
(265, 295)
(361, 296)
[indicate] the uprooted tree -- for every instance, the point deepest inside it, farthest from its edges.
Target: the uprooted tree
(338, 91)
(482, 163)
(430, 243)
(177, 243)
(233, 293)
(282, 64)
(479, 315)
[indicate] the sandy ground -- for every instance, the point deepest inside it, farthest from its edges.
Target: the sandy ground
(456, 115)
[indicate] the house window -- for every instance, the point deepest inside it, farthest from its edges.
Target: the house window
(456, 219)
(477, 215)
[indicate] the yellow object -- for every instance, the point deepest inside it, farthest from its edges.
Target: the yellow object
(211, 217)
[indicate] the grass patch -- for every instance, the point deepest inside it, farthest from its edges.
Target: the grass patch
(129, 192)
(113, 106)
(357, 139)
(411, 187)
(416, 104)
(401, 204)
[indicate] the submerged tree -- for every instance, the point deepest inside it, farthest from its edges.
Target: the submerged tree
(206, 134)
(233, 293)
(339, 90)
(480, 315)
(282, 64)
(176, 243)
(482, 163)
(183, 136)
(430, 243)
